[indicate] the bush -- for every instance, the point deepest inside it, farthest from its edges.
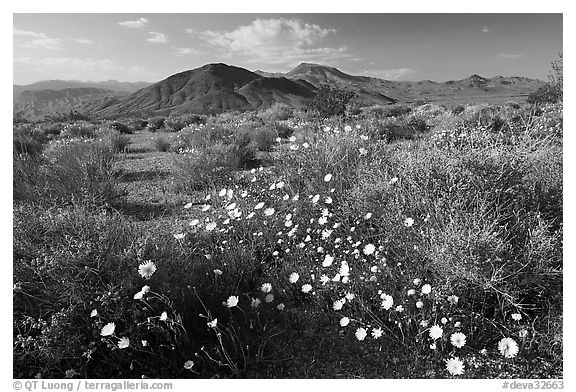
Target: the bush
(264, 137)
(177, 123)
(278, 112)
(155, 123)
(162, 144)
(113, 139)
(243, 151)
(330, 101)
(80, 129)
(122, 128)
(28, 139)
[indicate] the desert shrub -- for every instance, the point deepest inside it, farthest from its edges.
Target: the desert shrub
(121, 127)
(330, 101)
(205, 136)
(70, 171)
(177, 123)
(28, 139)
(155, 123)
(244, 149)
(162, 144)
(418, 124)
(264, 137)
(51, 128)
(458, 109)
(79, 129)
(114, 140)
(72, 116)
(283, 131)
(204, 168)
(137, 124)
(549, 93)
(396, 110)
(277, 112)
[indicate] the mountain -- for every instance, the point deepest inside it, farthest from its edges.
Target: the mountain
(112, 85)
(38, 104)
(213, 88)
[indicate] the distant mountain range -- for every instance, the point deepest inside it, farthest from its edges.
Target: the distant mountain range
(216, 88)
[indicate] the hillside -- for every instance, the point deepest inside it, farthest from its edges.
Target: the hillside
(213, 88)
(113, 85)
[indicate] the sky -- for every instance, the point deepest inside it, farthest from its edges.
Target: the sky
(151, 47)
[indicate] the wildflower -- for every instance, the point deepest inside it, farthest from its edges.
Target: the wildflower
(218, 272)
(349, 296)
(436, 332)
(348, 128)
(369, 249)
(368, 216)
(269, 211)
(306, 288)
(255, 303)
(164, 316)
(139, 295)
(387, 301)
(188, 205)
(123, 343)
(453, 299)
(523, 333)
(338, 304)
(232, 301)
(516, 316)
(444, 320)
(259, 206)
(229, 193)
(408, 222)
(144, 343)
(293, 277)
(399, 308)
(393, 180)
(147, 269)
(305, 145)
(194, 222)
(179, 236)
(508, 347)
(377, 333)
(419, 304)
(205, 207)
(266, 287)
(416, 281)
(344, 321)
(433, 346)
(292, 139)
(315, 199)
(458, 339)
(93, 313)
(222, 193)
(327, 177)
(457, 324)
(426, 289)
(269, 298)
(363, 151)
(213, 323)
(483, 351)
(328, 200)
(210, 226)
(361, 334)
(328, 260)
(324, 279)
(411, 292)
(188, 365)
(108, 329)
(455, 366)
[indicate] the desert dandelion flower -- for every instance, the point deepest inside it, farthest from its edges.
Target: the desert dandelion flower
(232, 301)
(269, 298)
(344, 321)
(361, 334)
(147, 269)
(327, 177)
(123, 343)
(188, 365)
(458, 339)
(338, 304)
(426, 289)
(455, 366)
(306, 288)
(294, 277)
(436, 332)
(108, 329)
(369, 249)
(508, 347)
(377, 333)
(266, 287)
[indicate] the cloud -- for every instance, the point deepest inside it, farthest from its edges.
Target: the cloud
(157, 38)
(390, 74)
(34, 40)
(485, 29)
(31, 34)
(510, 55)
(275, 41)
(40, 68)
(187, 51)
(134, 24)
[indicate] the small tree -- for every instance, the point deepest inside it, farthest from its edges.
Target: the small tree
(551, 92)
(330, 101)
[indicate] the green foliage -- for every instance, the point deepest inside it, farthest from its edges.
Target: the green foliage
(155, 123)
(177, 123)
(162, 144)
(278, 112)
(551, 92)
(330, 101)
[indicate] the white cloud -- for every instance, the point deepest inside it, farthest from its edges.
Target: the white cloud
(44, 43)
(157, 38)
(41, 68)
(275, 41)
(134, 24)
(187, 51)
(485, 29)
(389, 74)
(83, 41)
(510, 55)
(31, 34)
